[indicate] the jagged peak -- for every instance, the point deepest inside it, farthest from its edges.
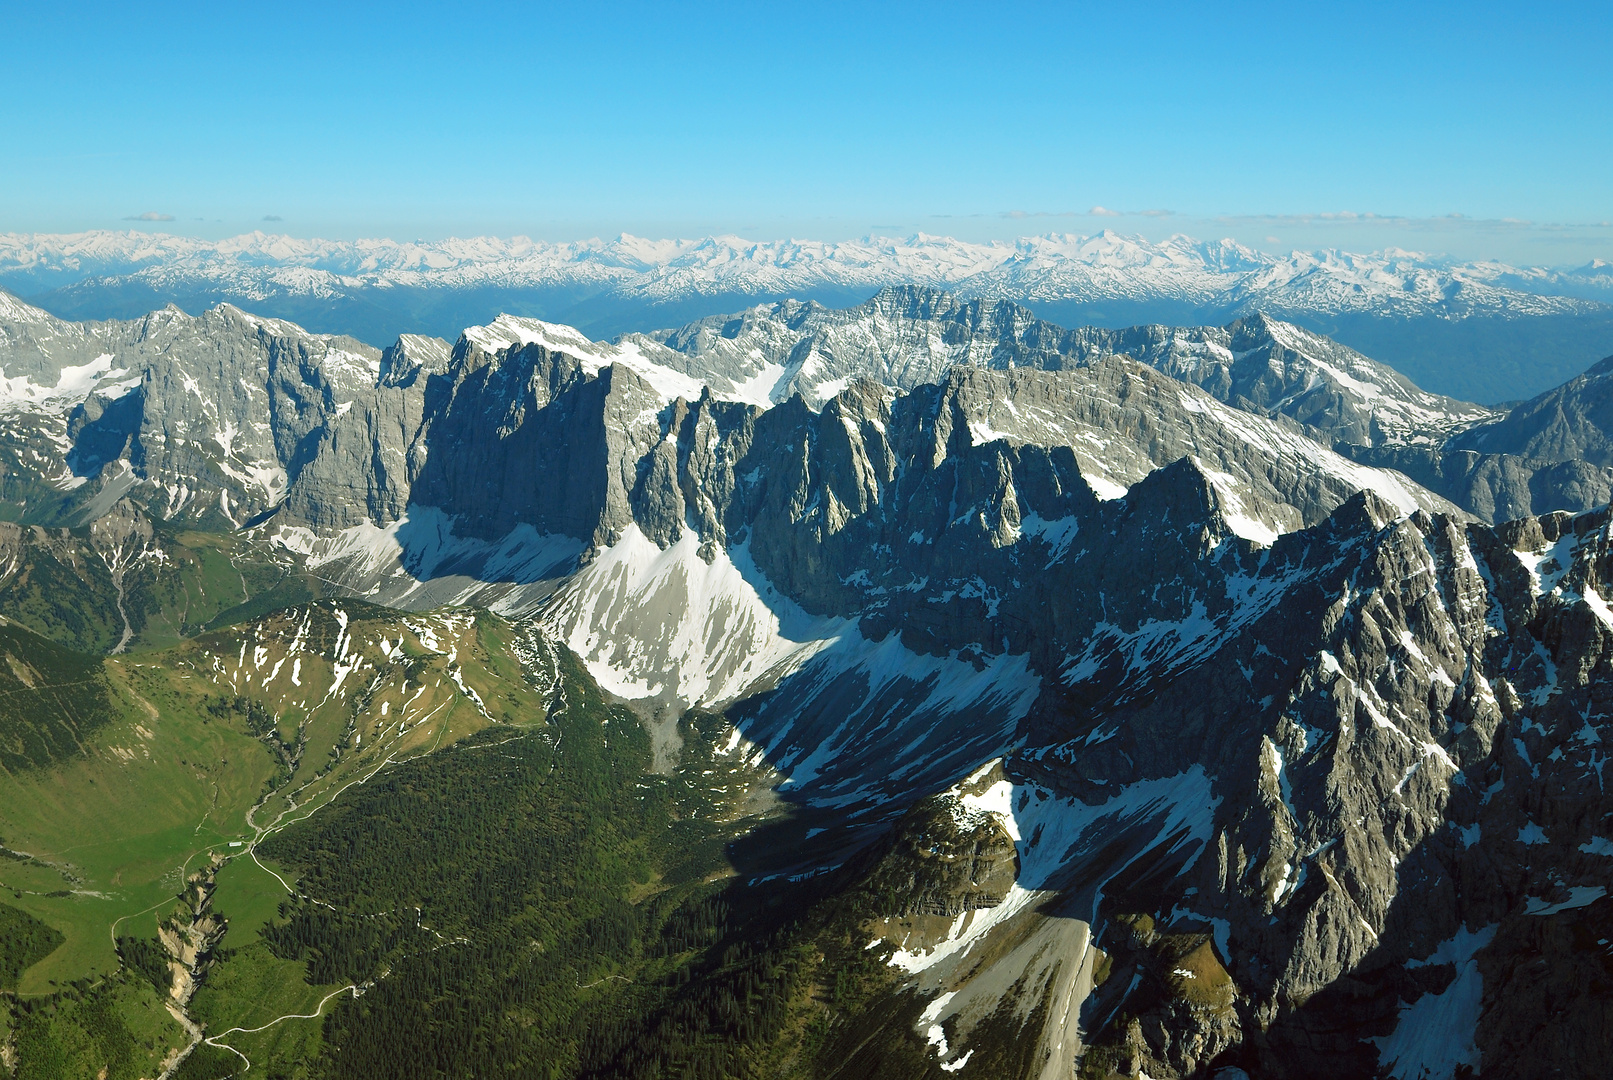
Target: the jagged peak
(15, 310)
(507, 330)
(1602, 367)
(1256, 324)
(229, 312)
(907, 297)
(918, 301)
(413, 355)
(1364, 512)
(1180, 485)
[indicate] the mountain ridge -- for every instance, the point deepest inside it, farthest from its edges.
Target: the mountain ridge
(1430, 315)
(1260, 757)
(1051, 267)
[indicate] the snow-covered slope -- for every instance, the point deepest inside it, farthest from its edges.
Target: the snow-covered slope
(508, 330)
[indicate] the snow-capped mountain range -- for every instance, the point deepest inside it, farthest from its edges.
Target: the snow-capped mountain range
(1220, 274)
(1483, 332)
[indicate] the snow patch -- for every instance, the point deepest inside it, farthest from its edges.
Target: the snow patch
(73, 385)
(1055, 835)
(649, 621)
(762, 389)
(1434, 1036)
(1578, 897)
(1105, 488)
(1056, 534)
(594, 356)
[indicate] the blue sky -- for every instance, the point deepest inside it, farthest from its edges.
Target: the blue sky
(826, 120)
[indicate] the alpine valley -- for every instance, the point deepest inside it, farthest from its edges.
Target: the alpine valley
(918, 688)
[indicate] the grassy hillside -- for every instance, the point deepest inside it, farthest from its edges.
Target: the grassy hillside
(64, 583)
(401, 845)
(52, 700)
(125, 779)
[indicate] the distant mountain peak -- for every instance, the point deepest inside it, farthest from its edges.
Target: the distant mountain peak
(1054, 266)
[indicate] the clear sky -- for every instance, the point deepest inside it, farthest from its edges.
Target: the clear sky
(822, 120)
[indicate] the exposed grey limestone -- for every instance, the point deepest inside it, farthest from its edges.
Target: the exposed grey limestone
(909, 335)
(1553, 452)
(1495, 487)
(527, 436)
(1574, 422)
(218, 413)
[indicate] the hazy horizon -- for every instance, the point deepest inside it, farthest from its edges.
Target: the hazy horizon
(1457, 239)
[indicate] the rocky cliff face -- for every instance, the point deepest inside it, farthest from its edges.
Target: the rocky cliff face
(1495, 487)
(223, 412)
(1336, 818)
(350, 425)
(1549, 453)
(1569, 423)
(906, 336)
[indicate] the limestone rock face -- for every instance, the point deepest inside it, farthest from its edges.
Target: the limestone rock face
(221, 413)
(1553, 452)
(1574, 422)
(906, 336)
(1496, 487)
(1402, 744)
(229, 416)
(944, 860)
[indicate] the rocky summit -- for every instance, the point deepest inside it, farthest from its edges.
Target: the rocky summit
(918, 687)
